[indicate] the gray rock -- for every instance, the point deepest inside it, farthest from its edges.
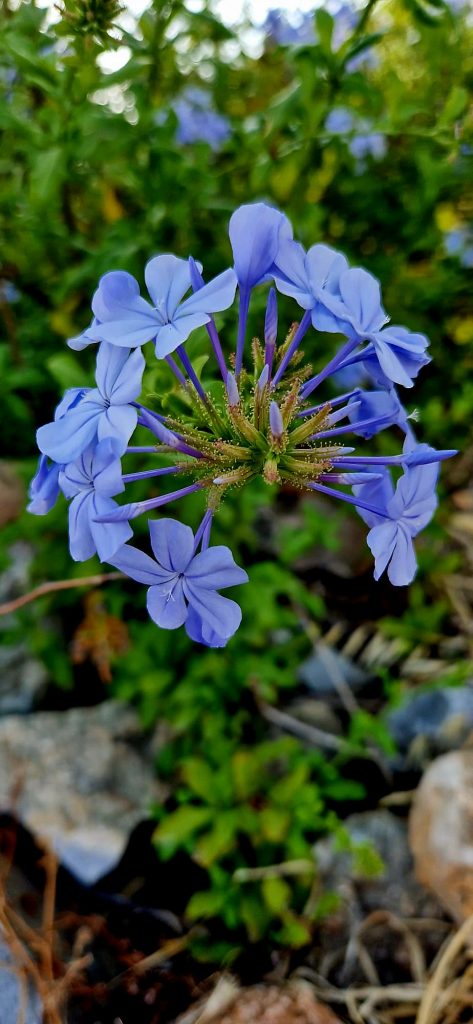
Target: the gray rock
(395, 888)
(22, 680)
(326, 670)
(10, 993)
(433, 722)
(79, 779)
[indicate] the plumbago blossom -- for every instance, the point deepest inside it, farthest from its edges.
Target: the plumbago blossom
(260, 420)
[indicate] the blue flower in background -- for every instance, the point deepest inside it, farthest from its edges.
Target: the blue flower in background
(124, 318)
(92, 482)
(402, 514)
(183, 585)
(198, 121)
(279, 30)
(104, 411)
(459, 243)
(362, 142)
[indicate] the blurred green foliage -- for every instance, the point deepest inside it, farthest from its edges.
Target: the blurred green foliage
(365, 139)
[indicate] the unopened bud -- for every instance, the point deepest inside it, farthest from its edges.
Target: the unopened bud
(276, 424)
(197, 280)
(233, 394)
(263, 378)
(271, 320)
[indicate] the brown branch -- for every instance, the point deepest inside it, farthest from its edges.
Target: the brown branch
(50, 588)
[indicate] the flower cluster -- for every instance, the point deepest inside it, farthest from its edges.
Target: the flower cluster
(257, 420)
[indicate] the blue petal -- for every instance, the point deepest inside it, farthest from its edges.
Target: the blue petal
(361, 295)
(167, 280)
(107, 537)
(139, 566)
(218, 613)
(166, 604)
(218, 294)
(66, 438)
(324, 268)
(403, 566)
(131, 332)
(44, 487)
(169, 337)
(118, 421)
(117, 295)
(172, 543)
(290, 273)
(390, 362)
(256, 231)
(215, 568)
(70, 399)
(106, 468)
(377, 493)
(381, 541)
(200, 633)
(81, 542)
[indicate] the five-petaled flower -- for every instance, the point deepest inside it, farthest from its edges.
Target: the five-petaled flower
(183, 585)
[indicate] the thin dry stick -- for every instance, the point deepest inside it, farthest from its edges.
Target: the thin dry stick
(426, 1014)
(50, 588)
(300, 729)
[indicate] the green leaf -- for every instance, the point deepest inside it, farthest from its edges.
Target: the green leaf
(274, 823)
(46, 175)
(219, 841)
(65, 369)
(456, 104)
(276, 894)
(200, 778)
(324, 24)
(205, 904)
(181, 824)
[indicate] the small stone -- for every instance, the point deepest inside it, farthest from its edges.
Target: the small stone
(433, 722)
(22, 680)
(322, 672)
(441, 831)
(77, 778)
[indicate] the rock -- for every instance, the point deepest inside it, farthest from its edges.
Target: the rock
(375, 905)
(433, 722)
(22, 680)
(441, 831)
(11, 993)
(75, 778)
(326, 670)
(393, 888)
(15, 579)
(294, 1003)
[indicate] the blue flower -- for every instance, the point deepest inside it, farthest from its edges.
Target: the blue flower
(358, 314)
(44, 487)
(104, 411)
(309, 277)
(183, 586)
(198, 121)
(401, 515)
(256, 234)
(91, 482)
(124, 318)
(283, 32)
(383, 407)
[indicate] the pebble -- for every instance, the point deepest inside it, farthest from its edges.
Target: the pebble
(441, 831)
